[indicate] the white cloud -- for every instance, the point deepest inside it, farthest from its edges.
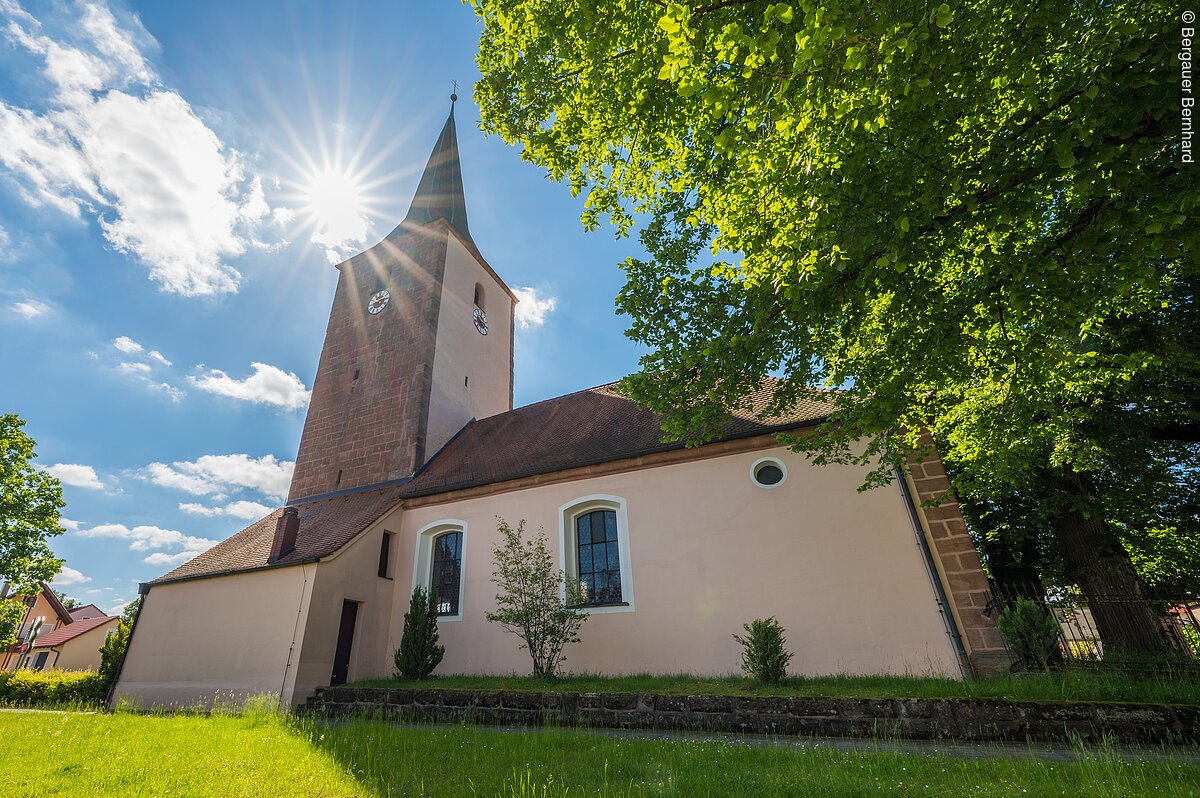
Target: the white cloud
(268, 385)
(69, 576)
(140, 371)
(117, 609)
(127, 345)
(115, 143)
(532, 309)
(75, 475)
(215, 474)
(68, 524)
(250, 511)
(174, 394)
(150, 538)
(133, 369)
(30, 308)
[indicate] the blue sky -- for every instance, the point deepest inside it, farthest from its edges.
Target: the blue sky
(175, 179)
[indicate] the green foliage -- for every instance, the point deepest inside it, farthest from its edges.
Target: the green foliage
(29, 503)
(969, 218)
(419, 652)
(67, 602)
(1031, 632)
(129, 614)
(536, 601)
(112, 651)
(764, 652)
(51, 688)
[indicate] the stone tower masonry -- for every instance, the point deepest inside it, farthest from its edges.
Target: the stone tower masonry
(419, 342)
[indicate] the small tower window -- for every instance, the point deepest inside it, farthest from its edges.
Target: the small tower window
(479, 296)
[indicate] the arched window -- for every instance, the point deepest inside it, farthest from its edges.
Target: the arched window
(595, 551)
(439, 565)
(599, 556)
(446, 578)
(479, 296)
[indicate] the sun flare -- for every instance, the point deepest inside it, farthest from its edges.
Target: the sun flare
(336, 207)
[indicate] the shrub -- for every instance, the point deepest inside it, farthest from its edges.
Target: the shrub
(112, 651)
(531, 602)
(50, 688)
(1031, 632)
(419, 652)
(763, 653)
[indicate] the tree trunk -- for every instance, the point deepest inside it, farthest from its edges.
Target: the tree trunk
(1015, 574)
(1098, 563)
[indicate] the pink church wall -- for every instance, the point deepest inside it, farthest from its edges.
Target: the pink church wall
(709, 551)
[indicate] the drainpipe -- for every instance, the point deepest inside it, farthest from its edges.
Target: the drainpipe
(295, 631)
(931, 570)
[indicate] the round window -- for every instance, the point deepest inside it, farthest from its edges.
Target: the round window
(768, 473)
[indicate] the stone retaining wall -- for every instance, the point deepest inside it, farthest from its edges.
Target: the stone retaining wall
(914, 718)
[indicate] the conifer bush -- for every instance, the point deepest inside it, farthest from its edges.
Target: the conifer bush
(419, 652)
(764, 655)
(1031, 632)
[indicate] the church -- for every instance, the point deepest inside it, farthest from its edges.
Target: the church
(412, 449)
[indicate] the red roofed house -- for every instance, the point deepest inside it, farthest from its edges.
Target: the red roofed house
(74, 647)
(43, 614)
(411, 449)
(51, 636)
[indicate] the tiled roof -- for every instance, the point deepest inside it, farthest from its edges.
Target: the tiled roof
(325, 526)
(85, 612)
(72, 630)
(582, 428)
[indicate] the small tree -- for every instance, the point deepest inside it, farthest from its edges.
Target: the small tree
(1031, 631)
(419, 652)
(531, 602)
(112, 651)
(29, 503)
(129, 614)
(764, 655)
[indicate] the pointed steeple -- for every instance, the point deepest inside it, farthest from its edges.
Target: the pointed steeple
(440, 192)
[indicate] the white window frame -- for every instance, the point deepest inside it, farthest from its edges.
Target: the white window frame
(568, 551)
(775, 461)
(423, 561)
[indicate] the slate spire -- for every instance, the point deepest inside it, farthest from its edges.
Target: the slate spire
(440, 192)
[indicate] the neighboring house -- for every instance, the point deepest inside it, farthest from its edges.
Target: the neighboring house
(74, 647)
(86, 611)
(411, 449)
(44, 614)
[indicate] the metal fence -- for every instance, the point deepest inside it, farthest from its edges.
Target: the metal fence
(1156, 632)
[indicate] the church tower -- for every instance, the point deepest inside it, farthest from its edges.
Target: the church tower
(420, 341)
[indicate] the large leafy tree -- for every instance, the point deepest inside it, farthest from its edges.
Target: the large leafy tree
(29, 503)
(972, 217)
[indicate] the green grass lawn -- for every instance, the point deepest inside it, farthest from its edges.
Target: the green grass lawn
(1077, 685)
(80, 755)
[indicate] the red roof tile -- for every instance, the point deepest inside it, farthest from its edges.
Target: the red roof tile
(325, 526)
(72, 630)
(583, 428)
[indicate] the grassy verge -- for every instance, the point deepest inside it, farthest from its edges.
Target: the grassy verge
(1066, 686)
(265, 755)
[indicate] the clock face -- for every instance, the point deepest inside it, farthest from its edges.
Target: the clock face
(480, 321)
(378, 301)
